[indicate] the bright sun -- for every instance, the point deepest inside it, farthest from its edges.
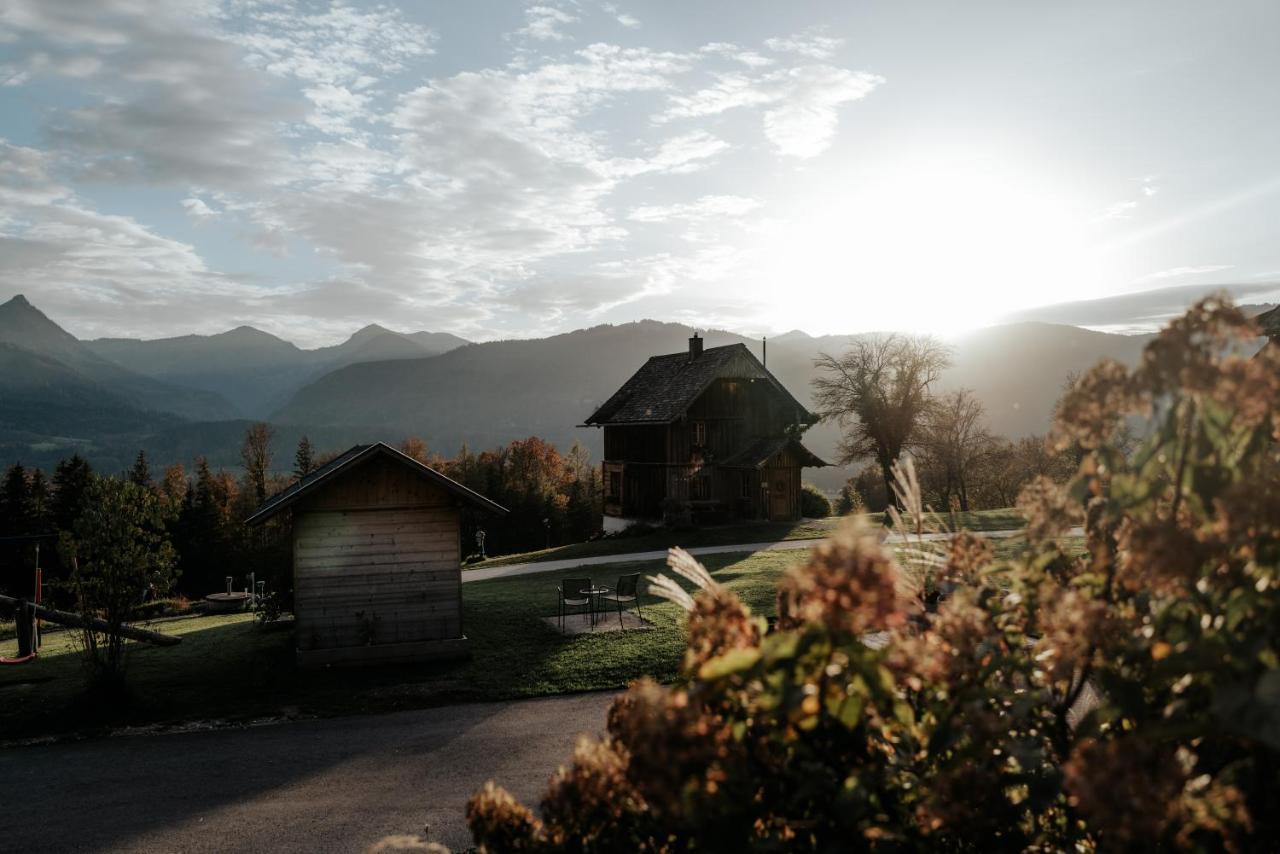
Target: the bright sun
(935, 245)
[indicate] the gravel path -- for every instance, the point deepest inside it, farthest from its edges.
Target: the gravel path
(484, 574)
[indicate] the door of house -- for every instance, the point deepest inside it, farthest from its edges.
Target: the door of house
(778, 509)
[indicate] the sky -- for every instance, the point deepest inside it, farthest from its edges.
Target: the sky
(506, 169)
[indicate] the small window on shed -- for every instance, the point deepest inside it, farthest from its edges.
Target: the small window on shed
(699, 433)
(613, 486)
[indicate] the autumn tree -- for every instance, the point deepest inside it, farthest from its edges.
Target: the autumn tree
(878, 392)
(414, 447)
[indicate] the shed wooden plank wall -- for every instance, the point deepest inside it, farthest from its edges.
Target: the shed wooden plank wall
(377, 561)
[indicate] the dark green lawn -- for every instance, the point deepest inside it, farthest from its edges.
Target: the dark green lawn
(228, 668)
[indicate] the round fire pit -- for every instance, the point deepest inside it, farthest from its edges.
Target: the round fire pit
(223, 603)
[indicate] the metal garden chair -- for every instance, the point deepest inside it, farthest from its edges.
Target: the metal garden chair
(570, 596)
(625, 592)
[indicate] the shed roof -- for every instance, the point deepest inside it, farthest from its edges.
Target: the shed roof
(758, 453)
(666, 386)
(351, 458)
(1269, 322)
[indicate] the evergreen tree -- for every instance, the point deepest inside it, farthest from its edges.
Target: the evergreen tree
(71, 481)
(304, 459)
(140, 474)
(40, 499)
(15, 502)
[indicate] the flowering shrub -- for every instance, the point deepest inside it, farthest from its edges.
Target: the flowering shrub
(1127, 697)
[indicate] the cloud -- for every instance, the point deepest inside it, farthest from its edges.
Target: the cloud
(1119, 210)
(198, 210)
(802, 103)
(1178, 272)
(704, 208)
(812, 43)
(102, 272)
(326, 132)
(543, 23)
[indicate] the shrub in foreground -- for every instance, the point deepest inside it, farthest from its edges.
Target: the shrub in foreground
(1123, 698)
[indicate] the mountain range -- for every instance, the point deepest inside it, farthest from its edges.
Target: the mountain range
(193, 395)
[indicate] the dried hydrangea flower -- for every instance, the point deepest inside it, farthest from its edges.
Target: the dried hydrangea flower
(1049, 510)
(967, 555)
(499, 822)
(1091, 412)
(849, 585)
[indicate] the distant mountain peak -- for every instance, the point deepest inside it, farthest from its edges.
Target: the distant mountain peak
(23, 324)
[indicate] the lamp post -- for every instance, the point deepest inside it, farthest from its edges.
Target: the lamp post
(546, 523)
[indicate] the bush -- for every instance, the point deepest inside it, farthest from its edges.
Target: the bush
(813, 504)
(850, 501)
(1121, 699)
(121, 556)
(677, 513)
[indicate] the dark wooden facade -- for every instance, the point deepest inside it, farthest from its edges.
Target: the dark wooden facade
(712, 428)
(376, 559)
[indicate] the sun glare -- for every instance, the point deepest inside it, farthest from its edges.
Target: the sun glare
(938, 246)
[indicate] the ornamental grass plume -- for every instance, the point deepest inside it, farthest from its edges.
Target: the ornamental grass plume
(718, 620)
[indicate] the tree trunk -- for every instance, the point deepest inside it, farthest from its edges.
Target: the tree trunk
(890, 496)
(65, 618)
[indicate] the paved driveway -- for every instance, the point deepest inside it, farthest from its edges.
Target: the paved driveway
(312, 786)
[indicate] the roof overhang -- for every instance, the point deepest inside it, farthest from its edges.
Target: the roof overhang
(352, 459)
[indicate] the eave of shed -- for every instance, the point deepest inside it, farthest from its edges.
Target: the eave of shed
(352, 458)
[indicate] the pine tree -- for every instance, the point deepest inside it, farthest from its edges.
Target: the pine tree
(15, 502)
(40, 500)
(304, 459)
(140, 474)
(71, 481)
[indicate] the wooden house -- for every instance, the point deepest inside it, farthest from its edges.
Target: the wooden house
(377, 573)
(710, 427)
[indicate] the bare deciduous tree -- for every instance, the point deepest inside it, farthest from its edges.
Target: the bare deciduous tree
(256, 455)
(878, 391)
(953, 441)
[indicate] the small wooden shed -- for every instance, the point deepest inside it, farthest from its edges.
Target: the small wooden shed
(377, 558)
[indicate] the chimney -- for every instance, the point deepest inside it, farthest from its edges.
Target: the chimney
(695, 346)
(764, 351)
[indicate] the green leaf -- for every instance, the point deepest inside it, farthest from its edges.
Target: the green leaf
(731, 662)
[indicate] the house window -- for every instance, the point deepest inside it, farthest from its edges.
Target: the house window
(613, 488)
(699, 433)
(699, 487)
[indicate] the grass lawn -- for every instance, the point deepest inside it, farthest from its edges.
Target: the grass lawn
(745, 532)
(228, 668)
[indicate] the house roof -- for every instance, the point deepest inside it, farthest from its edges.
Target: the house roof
(1269, 322)
(350, 459)
(758, 453)
(666, 386)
